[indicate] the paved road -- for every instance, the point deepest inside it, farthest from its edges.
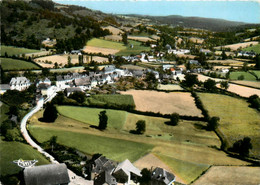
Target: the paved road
(74, 179)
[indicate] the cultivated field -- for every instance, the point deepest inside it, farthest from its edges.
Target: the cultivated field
(237, 120)
(196, 40)
(203, 78)
(242, 90)
(139, 38)
(239, 175)
(255, 48)
(113, 30)
(11, 50)
(169, 87)
(238, 45)
(247, 83)
(227, 62)
(105, 51)
(165, 103)
(116, 38)
(11, 151)
(14, 64)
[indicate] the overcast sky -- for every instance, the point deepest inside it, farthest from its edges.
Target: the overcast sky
(242, 11)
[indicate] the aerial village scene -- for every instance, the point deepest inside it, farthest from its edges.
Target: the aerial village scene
(130, 92)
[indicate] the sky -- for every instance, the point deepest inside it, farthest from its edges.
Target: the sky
(242, 11)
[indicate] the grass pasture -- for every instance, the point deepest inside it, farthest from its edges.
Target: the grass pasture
(165, 103)
(137, 48)
(4, 108)
(11, 151)
(169, 87)
(14, 64)
(247, 76)
(95, 42)
(115, 149)
(237, 120)
(90, 115)
(255, 48)
(11, 50)
(230, 175)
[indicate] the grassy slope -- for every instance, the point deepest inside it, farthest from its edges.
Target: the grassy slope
(13, 151)
(115, 149)
(137, 49)
(247, 76)
(106, 44)
(13, 64)
(237, 120)
(11, 50)
(257, 73)
(116, 119)
(3, 111)
(255, 48)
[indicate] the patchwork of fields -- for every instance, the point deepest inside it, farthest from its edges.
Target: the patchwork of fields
(165, 103)
(185, 148)
(255, 48)
(237, 120)
(14, 64)
(11, 50)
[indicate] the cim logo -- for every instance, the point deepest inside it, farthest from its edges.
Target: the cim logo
(25, 164)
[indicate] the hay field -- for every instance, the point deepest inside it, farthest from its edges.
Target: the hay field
(203, 78)
(238, 45)
(242, 90)
(228, 53)
(227, 62)
(113, 30)
(169, 87)
(237, 119)
(116, 38)
(239, 175)
(60, 59)
(105, 51)
(165, 103)
(196, 40)
(247, 83)
(139, 38)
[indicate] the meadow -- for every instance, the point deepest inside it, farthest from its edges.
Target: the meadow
(247, 76)
(230, 175)
(187, 145)
(255, 48)
(95, 42)
(169, 87)
(14, 64)
(11, 50)
(137, 48)
(11, 151)
(237, 120)
(165, 103)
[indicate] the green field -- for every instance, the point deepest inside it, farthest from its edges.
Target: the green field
(188, 170)
(237, 120)
(14, 64)
(115, 99)
(137, 48)
(256, 72)
(13, 151)
(255, 48)
(106, 44)
(115, 149)
(247, 76)
(11, 50)
(90, 115)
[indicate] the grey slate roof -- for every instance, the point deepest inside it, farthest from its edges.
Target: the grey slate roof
(105, 178)
(160, 174)
(128, 168)
(51, 174)
(103, 164)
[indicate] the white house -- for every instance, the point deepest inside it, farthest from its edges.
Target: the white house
(19, 83)
(178, 51)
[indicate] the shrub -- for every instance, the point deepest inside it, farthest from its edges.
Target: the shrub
(213, 123)
(242, 146)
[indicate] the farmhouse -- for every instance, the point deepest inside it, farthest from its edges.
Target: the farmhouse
(51, 174)
(105, 178)
(45, 89)
(19, 83)
(161, 177)
(72, 90)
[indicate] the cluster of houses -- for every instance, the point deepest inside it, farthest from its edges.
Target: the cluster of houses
(102, 172)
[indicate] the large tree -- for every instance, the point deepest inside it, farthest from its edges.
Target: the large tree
(191, 80)
(242, 146)
(210, 85)
(213, 123)
(140, 126)
(102, 120)
(50, 113)
(174, 119)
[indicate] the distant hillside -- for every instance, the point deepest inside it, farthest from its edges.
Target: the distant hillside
(193, 22)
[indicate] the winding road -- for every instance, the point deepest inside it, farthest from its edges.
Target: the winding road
(74, 179)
